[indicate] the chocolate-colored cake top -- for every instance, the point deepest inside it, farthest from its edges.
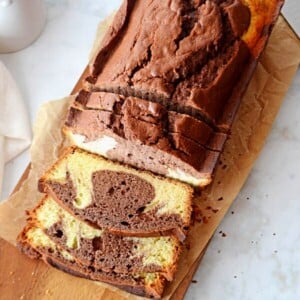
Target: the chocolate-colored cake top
(147, 112)
(187, 54)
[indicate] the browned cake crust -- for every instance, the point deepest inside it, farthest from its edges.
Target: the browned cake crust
(119, 199)
(188, 55)
(194, 57)
(132, 283)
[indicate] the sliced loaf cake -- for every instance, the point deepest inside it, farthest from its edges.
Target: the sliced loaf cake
(145, 135)
(193, 68)
(196, 57)
(102, 250)
(118, 198)
(151, 113)
(35, 243)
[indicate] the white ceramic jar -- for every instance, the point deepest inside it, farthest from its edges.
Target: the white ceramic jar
(21, 22)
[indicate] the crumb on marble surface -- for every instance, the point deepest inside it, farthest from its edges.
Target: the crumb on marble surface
(223, 234)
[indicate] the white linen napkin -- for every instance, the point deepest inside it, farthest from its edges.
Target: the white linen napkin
(15, 129)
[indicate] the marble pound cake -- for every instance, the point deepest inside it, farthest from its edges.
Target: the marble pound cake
(101, 250)
(145, 135)
(162, 94)
(35, 243)
(118, 198)
(194, 57)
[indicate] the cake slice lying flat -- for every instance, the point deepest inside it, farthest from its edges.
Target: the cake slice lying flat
(108, 252)
(36, 244)
(118, 198)
(145, 135)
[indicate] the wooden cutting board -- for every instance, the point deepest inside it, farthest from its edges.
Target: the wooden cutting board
(23, 278)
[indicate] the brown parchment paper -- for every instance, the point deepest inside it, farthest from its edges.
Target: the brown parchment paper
(258, 110)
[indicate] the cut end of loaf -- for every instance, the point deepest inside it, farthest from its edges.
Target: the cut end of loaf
(118, 197)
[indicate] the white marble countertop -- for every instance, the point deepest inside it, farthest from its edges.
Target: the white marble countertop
(260, 256)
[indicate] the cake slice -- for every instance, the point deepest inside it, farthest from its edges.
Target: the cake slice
(151, 113)
(102, 250)
(145, 135)
(118, 198)
(189, 55)
(33, 242)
